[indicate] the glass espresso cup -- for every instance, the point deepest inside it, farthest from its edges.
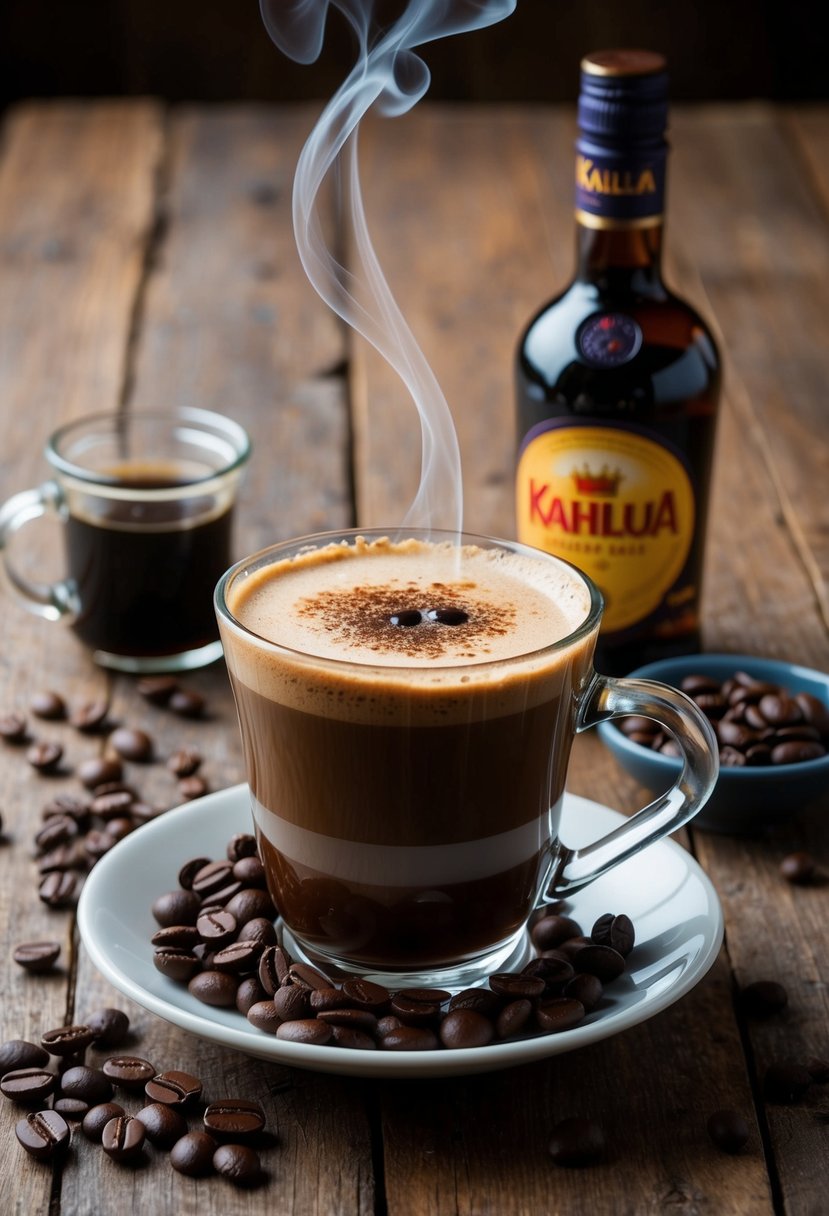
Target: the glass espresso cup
(146, 502)
(407, 708)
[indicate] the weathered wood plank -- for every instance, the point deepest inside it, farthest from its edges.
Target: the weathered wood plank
(76, 208)
(229, 323)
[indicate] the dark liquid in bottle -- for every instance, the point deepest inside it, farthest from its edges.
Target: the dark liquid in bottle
(145, 570)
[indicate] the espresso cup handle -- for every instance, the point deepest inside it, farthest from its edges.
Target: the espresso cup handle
(50, 600)
(611, 698)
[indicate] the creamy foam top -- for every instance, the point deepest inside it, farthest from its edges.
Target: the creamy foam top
(337, 602)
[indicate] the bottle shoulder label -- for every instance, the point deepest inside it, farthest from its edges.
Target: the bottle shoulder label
(617, 501)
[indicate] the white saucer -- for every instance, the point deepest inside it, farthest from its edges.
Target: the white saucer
(670, 900)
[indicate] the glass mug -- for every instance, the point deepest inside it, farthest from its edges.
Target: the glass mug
(146, 501)
(407, 709)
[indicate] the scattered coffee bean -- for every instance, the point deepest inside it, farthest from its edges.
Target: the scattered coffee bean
(614, 931)
(157, 689)
(559, 1013)
(99, 770)
(238, 1163)
(43, 1134)
(58, 889)
(551, 931)
(263, 1015)
(48, 705)
(110, 1027)
(240, 846)
(410, 1038)
(177, 964)
(90, 1084)
(176, 908)
(132, 744)
(233, 1117)
(13, 728)
(763, 998)
(193, 1154)
(798, 868)
(28, 1086)
(305, 1030)
(163, 1124)
(129, 1072)
(728, 1130)
(173, 1088)
(97, 1117)
(187, 703)
(216, 988)
(57, 830)
(20, 1053)
(90, 717)
(185, 762)
(71, 1108)
(577, 1142)
(604, 962)
(193, 787)
(123, 1139)
(37, 957)
(249, 993)
(463, 1028)
(786, 1081)
(43, 756)
(67, 1040)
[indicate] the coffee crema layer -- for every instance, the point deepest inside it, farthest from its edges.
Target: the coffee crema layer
(338, 603)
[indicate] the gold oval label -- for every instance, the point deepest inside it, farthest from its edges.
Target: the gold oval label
(617, 504)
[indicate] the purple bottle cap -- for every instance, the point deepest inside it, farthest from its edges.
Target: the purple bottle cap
(624, 96)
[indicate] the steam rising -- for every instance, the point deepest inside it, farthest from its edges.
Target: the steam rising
(391, 77)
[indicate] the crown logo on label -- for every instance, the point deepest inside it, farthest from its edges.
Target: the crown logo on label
(604, 484)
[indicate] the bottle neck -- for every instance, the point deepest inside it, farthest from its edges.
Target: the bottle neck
(623, 258)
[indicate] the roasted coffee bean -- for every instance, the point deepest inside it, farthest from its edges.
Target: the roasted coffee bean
(211, 879)
(306, 976)
(585, 988)
(798, 868)
(551, 931)
(233, 1117)
(814, 711)
(65, 857)
(513, 1018)
(355, 1019)
(292, 1003)
(90, 717)
(238, 1164)
(352, 1038)
(728, 1130)
(44, 756)
(779, 709)
(763, 998)
(364, 994)
(241, 845)
(58, 889)
(261, 930)
(387, 1024)
(305, 1030)
(192, 1155)
(129, 1072)
(71, 1108)
(20, 1053)
(273, 968)
(99, 770)
(516, 986)
(177, 964)
(176, 908)
(730, 757)
(97, 1117)
(795, 752)
(577, 1142)
(189, 870)
(193, 787)
(555, 970)
(410, 1038)
(68, 804)
(264, 1016)
(173, 1088)
(238, 957)
(164, 1125)
(123, 1139)
(43, 1134)
(217, 928)
(184, 762)
(96, 843)
(67, 1040)
(559, 1013)
(414, 1012)
(604, 962)
(119, 828)
(13, 728)
(37, 957)
(250, 903)
(215, 988)
(132, 744)
(187, 703)
(463, 1028)
(157, 689)
(48, 705)
(249, 993)
(614, 931)
(113, 804)
(28, 1086)
(785, 1081)
(218, 899)
(478, 1000)
(58, 829)
(90, 1084)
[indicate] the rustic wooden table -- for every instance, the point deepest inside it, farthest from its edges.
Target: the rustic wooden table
(146, 257)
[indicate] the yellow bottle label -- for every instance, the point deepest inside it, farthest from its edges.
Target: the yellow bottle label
(616, 503)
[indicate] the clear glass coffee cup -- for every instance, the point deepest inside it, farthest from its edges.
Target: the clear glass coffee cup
(146, 502)
(407, 708)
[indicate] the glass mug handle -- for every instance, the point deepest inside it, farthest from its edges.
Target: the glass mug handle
(50, 600)
(607, 698)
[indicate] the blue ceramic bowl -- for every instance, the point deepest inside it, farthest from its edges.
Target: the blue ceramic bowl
(744, 800)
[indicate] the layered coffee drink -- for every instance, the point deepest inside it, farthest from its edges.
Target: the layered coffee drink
(407, 709)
